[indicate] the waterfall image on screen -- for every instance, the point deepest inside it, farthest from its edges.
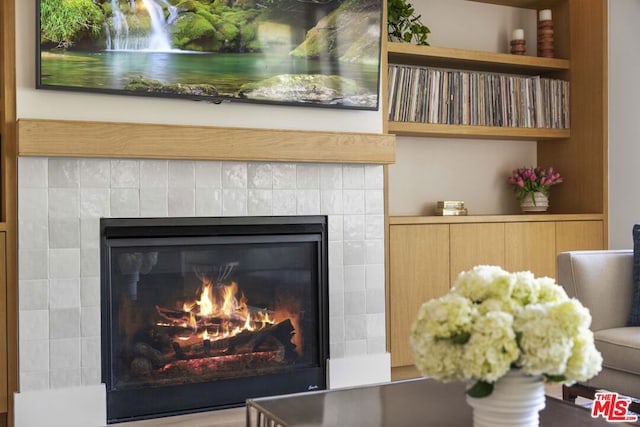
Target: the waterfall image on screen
(290, 52)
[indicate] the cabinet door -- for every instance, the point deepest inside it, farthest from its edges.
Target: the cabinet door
(476, 244)
(579, 235)
(531, 246)
(418, 271)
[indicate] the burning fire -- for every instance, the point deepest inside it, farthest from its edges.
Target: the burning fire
(219, 313)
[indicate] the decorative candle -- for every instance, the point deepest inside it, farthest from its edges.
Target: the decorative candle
(518, 34)
(545, 34)
(544, 15)
(517, 42)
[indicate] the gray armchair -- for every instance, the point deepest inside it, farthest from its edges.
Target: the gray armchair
(602, 280)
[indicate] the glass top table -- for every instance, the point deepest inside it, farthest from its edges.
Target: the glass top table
(409, 403)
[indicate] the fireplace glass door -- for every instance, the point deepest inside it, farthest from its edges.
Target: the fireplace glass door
(202, 314)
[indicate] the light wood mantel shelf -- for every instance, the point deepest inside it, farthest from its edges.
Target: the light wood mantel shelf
(67, 138)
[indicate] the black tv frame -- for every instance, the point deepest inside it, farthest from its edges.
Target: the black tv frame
(40, 84)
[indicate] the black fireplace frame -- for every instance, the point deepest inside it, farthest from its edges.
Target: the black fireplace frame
(235, 391)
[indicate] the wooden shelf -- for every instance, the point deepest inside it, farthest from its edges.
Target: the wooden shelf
(526, 4)
(475, 132)
(411, 54)
(543, 217)
(137, 140)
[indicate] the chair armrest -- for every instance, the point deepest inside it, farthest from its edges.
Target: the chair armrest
(602, 281)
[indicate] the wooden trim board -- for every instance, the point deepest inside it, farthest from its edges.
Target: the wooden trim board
(67, 138)
(541, 217)
(8, 212)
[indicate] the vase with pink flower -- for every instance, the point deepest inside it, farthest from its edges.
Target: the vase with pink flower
(531, 186)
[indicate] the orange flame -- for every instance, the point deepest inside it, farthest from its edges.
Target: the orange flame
(229, 299)
(218, 312)
(206, 301)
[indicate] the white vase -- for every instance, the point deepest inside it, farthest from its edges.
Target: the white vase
(534, 202)
(515, 402)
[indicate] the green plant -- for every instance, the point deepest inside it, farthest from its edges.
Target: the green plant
(66, 21)
(404, 24)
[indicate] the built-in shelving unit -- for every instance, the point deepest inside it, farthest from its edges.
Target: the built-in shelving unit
(425, 253)
(579, 152)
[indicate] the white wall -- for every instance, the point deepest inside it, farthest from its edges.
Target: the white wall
(624, 126)
(32, 103)
(431, 169)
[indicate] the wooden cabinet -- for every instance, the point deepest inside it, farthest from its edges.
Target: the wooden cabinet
(530, 246)
(579, 235)
(419, 266)
(474, 244)
(426, 254)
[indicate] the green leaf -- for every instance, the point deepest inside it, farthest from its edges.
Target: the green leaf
(460, 338)
(480, 389)
(404, 24)
(554, 378)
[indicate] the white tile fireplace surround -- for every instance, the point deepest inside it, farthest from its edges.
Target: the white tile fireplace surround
(60, 201)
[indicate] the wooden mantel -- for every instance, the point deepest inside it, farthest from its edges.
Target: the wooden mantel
(65, 138)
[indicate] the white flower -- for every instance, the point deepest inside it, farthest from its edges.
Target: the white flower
(585, 361)
(444, 317)
(545, 347)
(571, 316)
(493, 320)
(492, 347)
(437, 358)
(482, 282)
(550, 291)
(526, 288)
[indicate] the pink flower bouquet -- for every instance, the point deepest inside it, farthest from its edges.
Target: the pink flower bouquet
(531, 180)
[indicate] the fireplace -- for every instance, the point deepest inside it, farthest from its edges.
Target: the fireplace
(203, 313)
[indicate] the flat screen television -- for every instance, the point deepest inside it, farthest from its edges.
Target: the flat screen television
(291, 52)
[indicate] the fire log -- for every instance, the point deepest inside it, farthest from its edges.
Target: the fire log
(178, 317)
(244, 342)
(282, 332)
(154, 356)
(181, 316)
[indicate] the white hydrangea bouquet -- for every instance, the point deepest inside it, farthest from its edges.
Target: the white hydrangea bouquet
(493, 321)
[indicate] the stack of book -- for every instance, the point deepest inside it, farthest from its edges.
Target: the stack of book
(450, 208)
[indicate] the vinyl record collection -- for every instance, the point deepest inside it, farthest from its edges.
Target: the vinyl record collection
(456, 97)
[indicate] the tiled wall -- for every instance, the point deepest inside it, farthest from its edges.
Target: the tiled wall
(61, 200)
